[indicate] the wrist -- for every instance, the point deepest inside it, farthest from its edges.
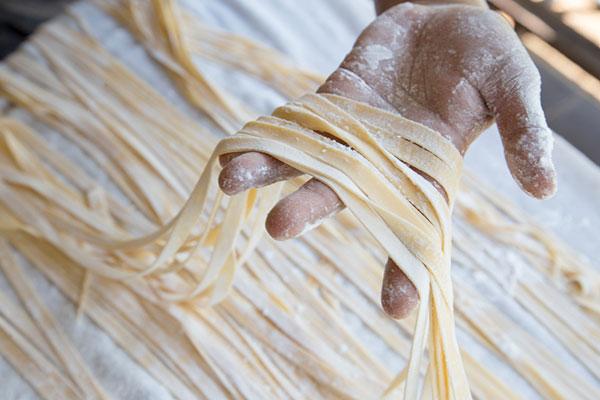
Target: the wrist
(383, 5)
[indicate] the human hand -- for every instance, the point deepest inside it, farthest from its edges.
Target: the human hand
(451, 66)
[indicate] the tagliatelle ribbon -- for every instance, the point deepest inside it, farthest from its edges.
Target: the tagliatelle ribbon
(406, 215)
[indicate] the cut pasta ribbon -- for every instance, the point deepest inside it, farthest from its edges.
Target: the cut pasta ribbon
(406, 215)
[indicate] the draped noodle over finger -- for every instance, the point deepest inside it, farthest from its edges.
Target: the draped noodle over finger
(374, 177)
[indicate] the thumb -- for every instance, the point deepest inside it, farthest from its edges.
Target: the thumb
(513, 95)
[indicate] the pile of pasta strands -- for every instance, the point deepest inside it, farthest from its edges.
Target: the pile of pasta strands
(146, 246)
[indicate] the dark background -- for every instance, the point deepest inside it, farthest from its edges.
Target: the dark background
(571, 111)
(18, 18)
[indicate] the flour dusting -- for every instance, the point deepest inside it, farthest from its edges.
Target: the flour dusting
(374, 54)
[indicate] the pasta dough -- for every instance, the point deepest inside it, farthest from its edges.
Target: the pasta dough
(407, 216)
